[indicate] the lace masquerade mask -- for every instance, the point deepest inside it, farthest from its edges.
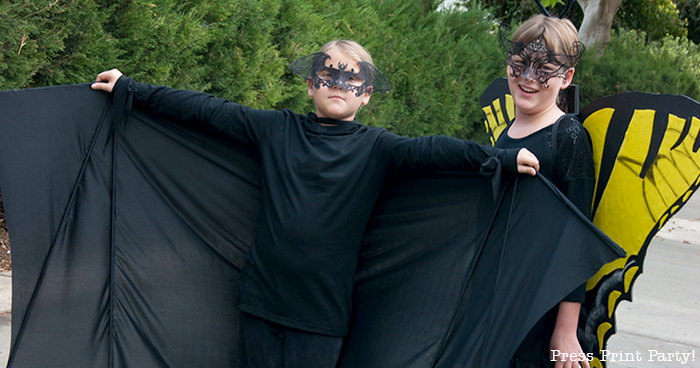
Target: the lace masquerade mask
(313, 68)
(534, 60)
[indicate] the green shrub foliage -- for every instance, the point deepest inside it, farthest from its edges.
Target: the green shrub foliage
(629, 63)
(438, 62)
(656, 18)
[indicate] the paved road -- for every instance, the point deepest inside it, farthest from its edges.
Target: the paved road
(5, 316)
(661, 329)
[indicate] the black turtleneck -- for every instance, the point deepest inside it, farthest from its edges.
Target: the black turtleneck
(319, 185)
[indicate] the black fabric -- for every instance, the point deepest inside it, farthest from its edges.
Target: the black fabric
(265, 344)
(564, 150)
(319, 181)
(566, 159)
(128, 238)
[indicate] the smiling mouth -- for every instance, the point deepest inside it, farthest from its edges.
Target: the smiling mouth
(528, 90)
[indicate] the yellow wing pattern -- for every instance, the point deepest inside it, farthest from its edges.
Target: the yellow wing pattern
(647, 161)
(645, 149)
(497, 105)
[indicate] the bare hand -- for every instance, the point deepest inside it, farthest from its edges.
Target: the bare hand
(565, 349)
(567, 353)
(527, 162)
(105, 81)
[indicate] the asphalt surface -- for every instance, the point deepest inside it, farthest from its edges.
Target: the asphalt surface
(5, 315)
(659, 329)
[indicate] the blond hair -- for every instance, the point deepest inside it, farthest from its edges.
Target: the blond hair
(352, 48)
(559, 34)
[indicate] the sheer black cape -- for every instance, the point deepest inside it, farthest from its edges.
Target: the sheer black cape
(128, 233)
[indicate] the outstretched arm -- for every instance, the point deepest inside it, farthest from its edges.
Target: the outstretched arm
(243, 124)
(440, 152)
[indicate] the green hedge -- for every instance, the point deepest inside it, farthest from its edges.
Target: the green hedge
(438, 62)
(671, 66)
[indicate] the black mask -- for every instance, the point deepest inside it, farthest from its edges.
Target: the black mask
(313, 68)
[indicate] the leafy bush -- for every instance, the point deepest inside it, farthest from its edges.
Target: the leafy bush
(50, 42)
(656, 18)
(438, 62)
(631, 64)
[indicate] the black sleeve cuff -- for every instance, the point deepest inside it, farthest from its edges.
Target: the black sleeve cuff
(578, 295)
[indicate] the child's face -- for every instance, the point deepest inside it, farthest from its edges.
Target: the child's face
(535, 80)
(336, 102)
(536, 61)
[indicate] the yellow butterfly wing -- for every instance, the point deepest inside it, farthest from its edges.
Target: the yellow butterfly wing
(645, 149)
(498, 108)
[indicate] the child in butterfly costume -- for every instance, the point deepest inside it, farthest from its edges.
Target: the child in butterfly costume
(321, 174)
(541, 58)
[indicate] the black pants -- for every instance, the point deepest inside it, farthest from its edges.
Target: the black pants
(264, 344)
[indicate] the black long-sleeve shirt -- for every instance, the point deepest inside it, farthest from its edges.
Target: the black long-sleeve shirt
(319, 185)
(567, 161)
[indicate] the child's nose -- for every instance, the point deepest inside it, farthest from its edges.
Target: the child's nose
(529, 73)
